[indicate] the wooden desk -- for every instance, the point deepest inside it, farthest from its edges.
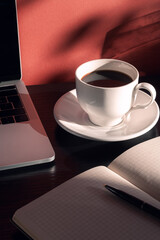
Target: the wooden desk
(73, 155)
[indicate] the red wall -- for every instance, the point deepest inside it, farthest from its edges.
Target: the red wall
(58, 35)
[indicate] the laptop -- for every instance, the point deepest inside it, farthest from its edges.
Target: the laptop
(23, 140)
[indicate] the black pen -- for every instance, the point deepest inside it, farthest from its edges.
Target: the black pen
(135, 201)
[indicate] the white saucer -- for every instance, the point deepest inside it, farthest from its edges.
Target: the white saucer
(71, 117)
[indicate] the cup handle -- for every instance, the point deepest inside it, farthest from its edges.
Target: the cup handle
(150, 89)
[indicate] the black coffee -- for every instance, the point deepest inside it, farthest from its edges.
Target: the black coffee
(107, 78)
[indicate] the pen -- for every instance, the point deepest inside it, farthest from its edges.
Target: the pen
(135, 201)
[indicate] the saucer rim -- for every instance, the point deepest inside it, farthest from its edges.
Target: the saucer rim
(110, 138)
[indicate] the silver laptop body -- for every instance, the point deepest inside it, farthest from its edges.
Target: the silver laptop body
(22, 143)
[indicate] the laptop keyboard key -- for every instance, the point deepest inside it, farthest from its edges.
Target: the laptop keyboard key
(21, 118)
(7, 120)
(12, 112)
(4, 88)
(15, 100)
(6, 106)
(11, 106)
(3, 100)
(8, 93)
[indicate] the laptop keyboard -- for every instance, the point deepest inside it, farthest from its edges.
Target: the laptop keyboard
(11, 106)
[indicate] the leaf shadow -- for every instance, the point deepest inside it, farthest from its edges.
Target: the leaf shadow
(24, 3)
(73, 36)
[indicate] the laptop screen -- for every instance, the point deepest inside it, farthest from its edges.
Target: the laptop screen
(9, 45)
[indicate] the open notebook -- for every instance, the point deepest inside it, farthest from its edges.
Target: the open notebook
(82, 208)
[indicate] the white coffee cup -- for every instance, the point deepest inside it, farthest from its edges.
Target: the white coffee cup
(107, 106)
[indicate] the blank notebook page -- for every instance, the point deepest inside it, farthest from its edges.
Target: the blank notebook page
(82, 208)
(140, 165)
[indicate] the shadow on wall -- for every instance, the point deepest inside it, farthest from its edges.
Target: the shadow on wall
(86, 37)
(136, 40)
(78, 34)
(73, 39)
(24, 3)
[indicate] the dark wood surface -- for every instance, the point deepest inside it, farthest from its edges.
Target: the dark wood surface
(73, 155)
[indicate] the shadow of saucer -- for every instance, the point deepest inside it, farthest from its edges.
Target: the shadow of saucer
(86, 153)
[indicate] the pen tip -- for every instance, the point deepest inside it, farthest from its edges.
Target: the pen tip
(108, 187)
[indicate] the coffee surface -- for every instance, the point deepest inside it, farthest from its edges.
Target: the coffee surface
(107, 78)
